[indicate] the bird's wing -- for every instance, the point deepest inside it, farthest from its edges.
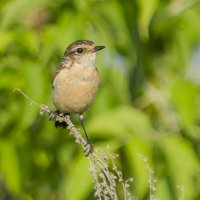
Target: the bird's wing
(61, 66)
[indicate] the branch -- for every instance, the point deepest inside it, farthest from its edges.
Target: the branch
(105, 177)
(70, 126)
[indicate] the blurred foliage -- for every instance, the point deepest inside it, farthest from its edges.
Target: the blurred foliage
(148, 102)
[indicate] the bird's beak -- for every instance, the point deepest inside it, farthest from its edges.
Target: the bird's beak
(97, 48)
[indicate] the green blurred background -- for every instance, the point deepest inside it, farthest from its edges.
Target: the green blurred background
(148, 102)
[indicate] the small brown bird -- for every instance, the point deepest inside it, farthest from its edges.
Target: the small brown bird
(76, 81)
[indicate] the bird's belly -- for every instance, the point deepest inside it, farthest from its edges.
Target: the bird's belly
(75, 96)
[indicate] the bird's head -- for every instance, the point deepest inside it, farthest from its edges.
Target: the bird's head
(82, 52)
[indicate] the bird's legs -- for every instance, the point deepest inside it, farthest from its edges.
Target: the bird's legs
(88, 147)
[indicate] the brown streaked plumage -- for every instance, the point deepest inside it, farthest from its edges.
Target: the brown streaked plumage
(76, 80)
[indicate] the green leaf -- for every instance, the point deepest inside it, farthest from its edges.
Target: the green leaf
(134, 151)
(77, 183)
(184, 96)
(146, 11)
(163, 190)
(182, 164)
(125, 122)
(9, 165)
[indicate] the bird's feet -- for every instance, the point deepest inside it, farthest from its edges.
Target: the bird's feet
(58, 123)
(88, 148)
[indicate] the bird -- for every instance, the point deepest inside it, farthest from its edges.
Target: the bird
(76, 82)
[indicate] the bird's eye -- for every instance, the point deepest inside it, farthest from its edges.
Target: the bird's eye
(79, 50)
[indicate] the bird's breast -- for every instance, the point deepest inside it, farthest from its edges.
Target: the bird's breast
(75, 89)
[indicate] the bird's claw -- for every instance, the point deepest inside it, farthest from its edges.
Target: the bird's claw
(58, 123)
(88, 148)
